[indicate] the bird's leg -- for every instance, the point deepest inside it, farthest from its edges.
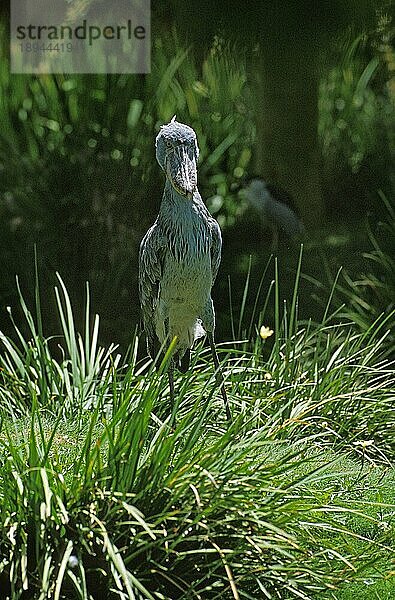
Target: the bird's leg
(274, 247)
(219, 376)
(170, 368)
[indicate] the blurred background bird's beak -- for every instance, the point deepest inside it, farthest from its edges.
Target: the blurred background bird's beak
(182, 172)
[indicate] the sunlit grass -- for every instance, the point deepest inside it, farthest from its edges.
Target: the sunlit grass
(103, 488)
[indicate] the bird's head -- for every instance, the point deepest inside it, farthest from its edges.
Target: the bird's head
(254, 190)
(177, 153)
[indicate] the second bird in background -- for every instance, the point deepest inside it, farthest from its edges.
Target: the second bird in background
(275, 208)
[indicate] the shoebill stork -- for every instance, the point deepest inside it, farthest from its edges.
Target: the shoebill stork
(274, 207)
(179, 258)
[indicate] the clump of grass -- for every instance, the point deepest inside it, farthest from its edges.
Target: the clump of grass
(105, 494)
(329, 377)
(29, 371)
(371, 296)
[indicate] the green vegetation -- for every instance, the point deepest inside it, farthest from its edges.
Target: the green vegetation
(103, 493)
(103, 490)
(79, 177)
(373, 293)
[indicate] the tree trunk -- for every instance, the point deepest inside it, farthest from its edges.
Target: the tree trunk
(286, 116)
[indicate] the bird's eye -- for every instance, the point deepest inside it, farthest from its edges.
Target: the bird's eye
(168, 143)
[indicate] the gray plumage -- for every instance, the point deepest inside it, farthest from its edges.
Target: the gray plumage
(273, 211)
(180, 254)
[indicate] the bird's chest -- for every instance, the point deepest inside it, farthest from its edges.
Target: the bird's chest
(187, 265)
(189, 247)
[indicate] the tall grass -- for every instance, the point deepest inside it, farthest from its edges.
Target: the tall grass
(105, 494)
(371, 296)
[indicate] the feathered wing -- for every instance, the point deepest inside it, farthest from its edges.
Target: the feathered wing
(150, 271)
(283, 216)
(216, 245)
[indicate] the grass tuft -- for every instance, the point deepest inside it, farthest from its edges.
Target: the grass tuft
(104, 490)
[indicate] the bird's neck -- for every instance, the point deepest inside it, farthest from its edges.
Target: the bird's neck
(171, 195)
(174, 205)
